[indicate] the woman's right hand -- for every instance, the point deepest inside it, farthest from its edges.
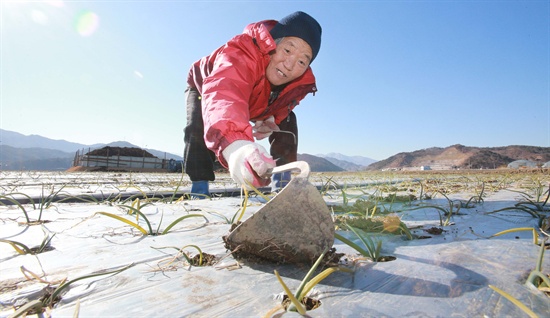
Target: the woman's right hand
(249, 163)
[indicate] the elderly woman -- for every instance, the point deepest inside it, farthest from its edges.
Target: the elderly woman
(257, 77)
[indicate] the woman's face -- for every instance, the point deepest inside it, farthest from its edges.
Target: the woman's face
(290, 61)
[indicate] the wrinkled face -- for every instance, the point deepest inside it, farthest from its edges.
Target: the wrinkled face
(290, 61)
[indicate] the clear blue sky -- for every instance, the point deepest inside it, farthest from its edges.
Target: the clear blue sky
(393, 76)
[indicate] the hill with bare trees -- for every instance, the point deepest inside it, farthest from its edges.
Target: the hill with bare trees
(462, 157)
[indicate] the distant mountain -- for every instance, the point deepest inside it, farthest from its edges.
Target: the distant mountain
(358, 160)
(21, 152)
(348, 163)
(463, 157)
(345, 165)
(33, 152)
(12, 158)
(319, 164)
(15, 139)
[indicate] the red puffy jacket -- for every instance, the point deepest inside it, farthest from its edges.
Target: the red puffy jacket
(235, 91)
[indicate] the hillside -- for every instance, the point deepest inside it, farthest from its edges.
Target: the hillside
(17, 140)
(463, 157)
(34, 152)
(319, 164)
(12, 158)
(20, 152)
(348, 163)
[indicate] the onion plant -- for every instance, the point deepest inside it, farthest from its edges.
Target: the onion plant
(306, 285)
(519, 229)
(244, 203)
(174, 193)
(135, 208)
(536, 278)
(238, 215)
(22, 249)
(39, 305)
(372, 249)
(10, 198)
(44, 202)
(327, 186)
(181, 253)
(537, 207)
(453, 208)
(515, 301)
(391, 224)
(478, 198)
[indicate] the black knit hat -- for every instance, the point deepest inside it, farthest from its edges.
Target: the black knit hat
(301, 25)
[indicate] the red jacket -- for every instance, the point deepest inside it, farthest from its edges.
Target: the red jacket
(235, 91)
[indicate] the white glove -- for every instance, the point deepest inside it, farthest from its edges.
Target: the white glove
(249, 162)
(264, 128)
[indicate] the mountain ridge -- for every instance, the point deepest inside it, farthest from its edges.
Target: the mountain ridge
(18, 152)
(463, 157)
(356, 160)
(21, 152)
(18, 140)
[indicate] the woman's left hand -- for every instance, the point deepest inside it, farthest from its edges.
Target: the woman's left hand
(264, 128)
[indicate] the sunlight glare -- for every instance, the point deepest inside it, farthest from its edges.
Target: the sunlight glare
(55, 3)
(39, 17)
(87, 23)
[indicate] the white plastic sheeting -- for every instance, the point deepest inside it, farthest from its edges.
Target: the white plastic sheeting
(447, 275)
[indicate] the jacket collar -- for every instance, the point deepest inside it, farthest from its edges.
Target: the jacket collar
(259, 31)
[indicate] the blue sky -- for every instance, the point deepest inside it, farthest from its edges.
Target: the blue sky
(393, 76)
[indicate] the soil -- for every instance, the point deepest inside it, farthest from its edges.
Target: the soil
(47, 293)
(377, 224)
(36, 250)
(386, 259)
(39, 222)
(260, 253)
(270, 253)
(434, 230)
(207, 260)
(422, 237)
(332, 258)
(308, 302)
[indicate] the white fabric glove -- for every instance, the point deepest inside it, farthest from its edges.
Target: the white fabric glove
(264, 128)
(249, 162)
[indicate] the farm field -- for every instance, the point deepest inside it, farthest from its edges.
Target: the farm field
(423, 244)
